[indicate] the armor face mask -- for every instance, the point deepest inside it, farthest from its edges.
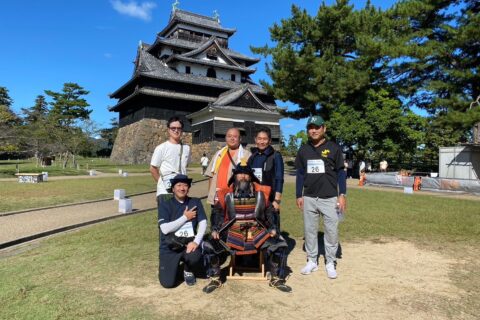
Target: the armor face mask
(242, 186)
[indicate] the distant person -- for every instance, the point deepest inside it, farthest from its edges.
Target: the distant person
(268, 167)
(182, 222)
(361, 168)
(350, 168)
(223, 162)
(204, 163)
(383, 165)
(321, 188)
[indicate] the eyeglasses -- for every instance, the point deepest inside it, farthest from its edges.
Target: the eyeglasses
(175, 128)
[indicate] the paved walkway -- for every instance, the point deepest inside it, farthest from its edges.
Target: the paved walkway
(28, 224)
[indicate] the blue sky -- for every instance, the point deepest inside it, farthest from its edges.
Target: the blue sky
(93, 42)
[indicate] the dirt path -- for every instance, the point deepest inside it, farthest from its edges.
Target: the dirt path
(381, 280)
(30, 223)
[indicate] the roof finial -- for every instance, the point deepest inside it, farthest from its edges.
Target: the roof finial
(175, 5)
(216, 16)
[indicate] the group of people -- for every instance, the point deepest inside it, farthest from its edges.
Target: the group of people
(245, 194)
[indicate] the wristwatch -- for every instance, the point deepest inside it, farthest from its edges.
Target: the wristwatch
(342, 194)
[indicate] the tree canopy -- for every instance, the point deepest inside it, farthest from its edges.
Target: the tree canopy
(365, 70)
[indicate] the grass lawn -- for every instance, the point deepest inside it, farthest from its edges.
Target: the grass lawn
(8, 168)
(69, 276)
(17, 196)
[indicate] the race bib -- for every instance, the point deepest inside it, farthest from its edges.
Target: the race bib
(186, 230)
(258, 173)
(315, 166)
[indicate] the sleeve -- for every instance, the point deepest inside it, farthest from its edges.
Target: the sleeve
(299, 183)
(157, 157)
(208, 171)
(279, 172)
(339, 161)
(202, 227)
(300, 173)
(342, 182)
(250, 160)
(167, 226)
(341, 174)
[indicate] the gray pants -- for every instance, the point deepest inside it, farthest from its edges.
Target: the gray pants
(312, 209)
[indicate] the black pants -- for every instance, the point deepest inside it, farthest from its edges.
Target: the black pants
(170, 261)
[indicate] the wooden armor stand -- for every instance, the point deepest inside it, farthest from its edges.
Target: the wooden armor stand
(239, 272)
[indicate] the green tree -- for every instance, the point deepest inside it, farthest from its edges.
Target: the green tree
(437, 65)
(382, 129)
(327, 60)
(8, 123)
(292, 146)
(68, 121)
(39, 111)
(36, 130)
(69, 105)
(110, 134)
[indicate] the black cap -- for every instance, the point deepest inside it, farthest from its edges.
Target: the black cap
(243, 168)
(180, 178)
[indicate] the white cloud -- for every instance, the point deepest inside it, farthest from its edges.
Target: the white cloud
(132, 9)
(107, 55)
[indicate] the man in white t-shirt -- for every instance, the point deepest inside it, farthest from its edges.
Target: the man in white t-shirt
(169, 159)
(204, 163)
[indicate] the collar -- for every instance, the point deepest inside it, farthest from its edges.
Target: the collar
(321, 144)
(268, 150)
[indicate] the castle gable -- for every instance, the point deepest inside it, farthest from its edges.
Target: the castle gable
(242, 97)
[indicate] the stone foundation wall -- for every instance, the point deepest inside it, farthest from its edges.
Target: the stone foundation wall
(136, 142)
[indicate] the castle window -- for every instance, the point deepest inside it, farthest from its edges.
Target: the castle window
(187, 69)
(211, 73)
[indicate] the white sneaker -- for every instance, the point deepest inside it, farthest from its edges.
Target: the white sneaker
(331, 272)
(309, 267)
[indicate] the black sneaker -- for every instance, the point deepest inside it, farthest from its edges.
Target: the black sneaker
(214, 284)
(189, 277)
(280, 285)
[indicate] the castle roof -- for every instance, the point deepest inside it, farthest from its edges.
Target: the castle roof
(151, 67)
(185, 44)
(196, 20)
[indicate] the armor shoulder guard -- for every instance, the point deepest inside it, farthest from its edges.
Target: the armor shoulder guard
(230, 206)
(260, 205)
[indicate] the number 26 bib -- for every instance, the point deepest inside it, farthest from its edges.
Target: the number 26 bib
(315, 166)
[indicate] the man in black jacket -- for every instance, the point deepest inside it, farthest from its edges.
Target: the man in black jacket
(321, 191)
(268, 167)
